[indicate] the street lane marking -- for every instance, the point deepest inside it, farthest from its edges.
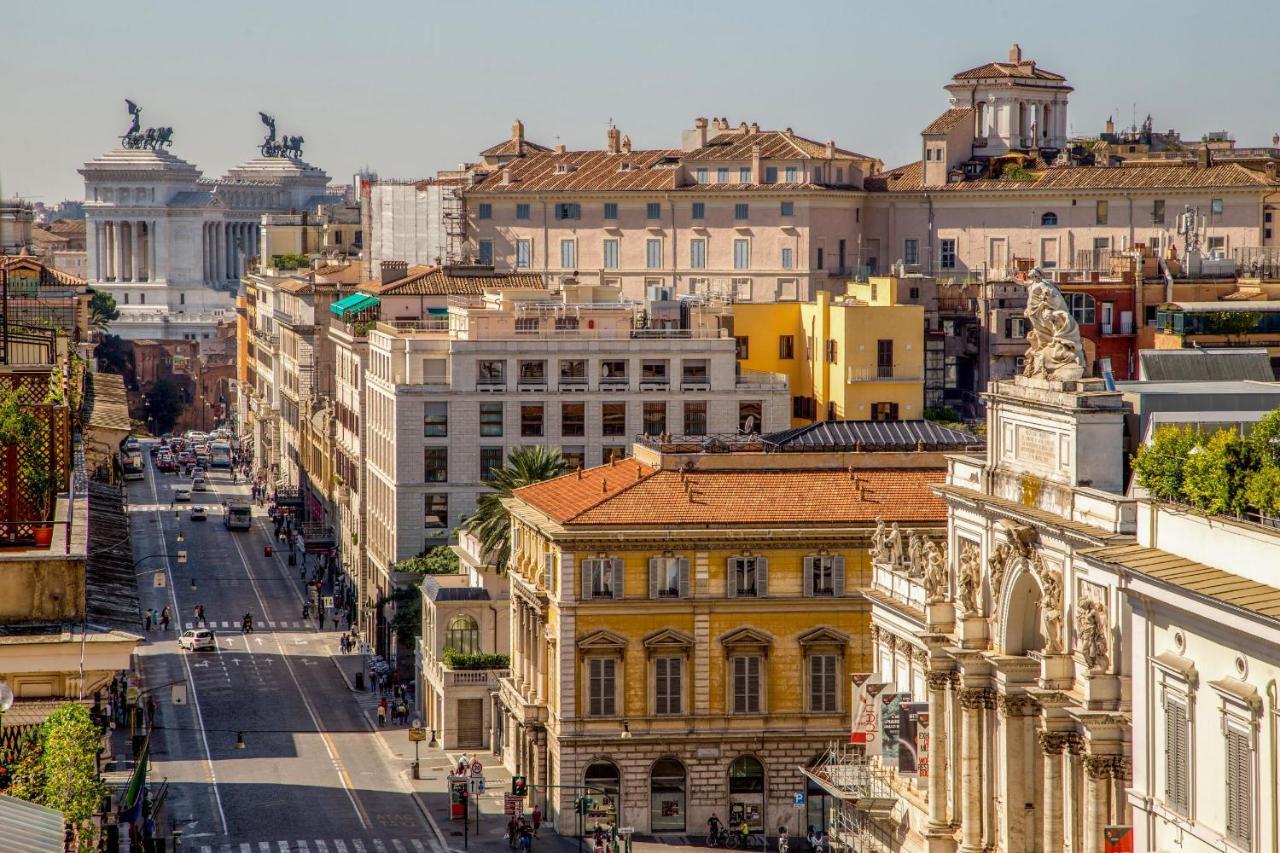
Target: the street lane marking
(245, 848)
(264, 847)
(395, 842)
(417, 845)
(284, 846)
(321, 847)
(340, 846)
(302, 846)
(359, 845)
(378, 846)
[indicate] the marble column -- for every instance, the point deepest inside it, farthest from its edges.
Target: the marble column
(517, 631)
(1053, 744)
(1097, 798)
(938, 682)
(152, 255)
(117, 250)
(135, 261)
(99, 250)
(973, 701)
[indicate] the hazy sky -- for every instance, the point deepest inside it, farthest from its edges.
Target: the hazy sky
(407, 87)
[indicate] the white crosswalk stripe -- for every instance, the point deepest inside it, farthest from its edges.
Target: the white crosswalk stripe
(302, 846)
(264, 847)
(395, 842)
(379, 846)
(205, 848)
(417, 845)
(359, 845)
(245, 848)
(283, 845)
(340, 846)
(321, 847)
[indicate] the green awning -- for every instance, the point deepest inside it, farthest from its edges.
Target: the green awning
(353, 304)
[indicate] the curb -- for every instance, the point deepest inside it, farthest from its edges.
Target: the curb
(343, 674)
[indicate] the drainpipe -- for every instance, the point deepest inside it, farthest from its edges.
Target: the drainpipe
(929, 200)
(1275, 784)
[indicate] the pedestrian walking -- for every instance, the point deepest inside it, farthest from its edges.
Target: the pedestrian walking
(164, 618)
(513, 829)
(382, 714)
(146, 619)
(151, 710)
(537, 820)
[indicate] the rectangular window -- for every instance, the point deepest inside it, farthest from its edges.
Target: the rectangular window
(524, 254)
(573, 419)
(722, 175)
(653, 370)
(666, 685)
(612, 454)
(695, 418)
(613, 419)
(491, 372)
(824, 576)
(693, 371)
(573, 371)
(653, 210)
(491, 459)
(787, 258)
(435, 420)
(744, 174)
(1157, 212)
(786, 346)
(741, 254)
(698, 210)
(532, 372)
(701, 175)
(611, 254)
(746, 684)
(947, 254)
(435, 513)
(792, 174)
(568, 254)
(485, 255)
(574, 456)
(613, 372)
(655, 418)
(653, 254)
(911, 251)
(435, 465)
(747, 577)
(1100, 212)
(610, 210)
(788, 208)
(1239, 788)
(884, 411)
(770, 174)
(1177, 755)
(531, 420)
(601, 578)
(742, 346)
(568, 210)
(698, 254)
(1216, 206)
(486, 210)
(602, 689)
(822, 684)
(522, 211)
(741, 211)
(884, 359)
(528, 325)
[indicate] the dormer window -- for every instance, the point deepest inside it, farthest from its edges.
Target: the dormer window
(1049, 219)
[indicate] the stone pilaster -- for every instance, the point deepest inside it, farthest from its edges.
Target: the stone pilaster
(1097, 796)
(973, 702)
(939, 832)
(1053, 744)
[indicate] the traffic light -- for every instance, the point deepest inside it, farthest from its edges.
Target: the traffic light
(583, 805)
(519, 786)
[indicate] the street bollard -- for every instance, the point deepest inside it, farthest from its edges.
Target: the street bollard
(417, 770)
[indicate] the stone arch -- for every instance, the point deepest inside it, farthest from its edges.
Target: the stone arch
(1019, 627)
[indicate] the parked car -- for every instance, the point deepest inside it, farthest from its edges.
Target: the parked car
(198, 513)
(196, 639)
(182, 493)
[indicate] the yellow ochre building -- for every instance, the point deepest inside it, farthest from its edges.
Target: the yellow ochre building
(685, 623)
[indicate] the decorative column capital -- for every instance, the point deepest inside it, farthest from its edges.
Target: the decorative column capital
(939, 679)
(1075, 743)
(875, 634)
(976, 698)
(1017, 706)
(1053, 743)
(1099, 767)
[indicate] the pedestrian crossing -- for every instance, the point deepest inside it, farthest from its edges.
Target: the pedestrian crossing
(282, 623)
(325, 845)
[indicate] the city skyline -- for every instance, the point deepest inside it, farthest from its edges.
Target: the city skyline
(427, 78)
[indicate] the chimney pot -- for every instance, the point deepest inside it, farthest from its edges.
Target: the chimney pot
(1015, 54)
(560, 148)
(506, 177)
(755, 127)
(700, 123)
(614, 140)
(831, 148)
(517, 130)
(626, 144)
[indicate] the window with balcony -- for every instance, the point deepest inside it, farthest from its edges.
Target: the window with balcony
(435, 515)
(533, 372)
(435, 465)
(573, 371)
(749, 416)
(786, 347)
(823, 575)
(884, 359)
(613, 419)
(698, 253)
(531, 417)
(491, 372)
(748, 577)
(522, 211)
(491, 461)
(528, 325)
(655, 418)
(611, 254)
(653, 370)
(693, 371)
(601, 578)
(695, 418)
(435, 420)
(611, 210)
(668, 577)
(573, 419)
(462, 634)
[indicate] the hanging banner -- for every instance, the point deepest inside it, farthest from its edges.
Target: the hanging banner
(908, 737)
(857, 724)
(866, 720)
(922, 743)
(890, 720)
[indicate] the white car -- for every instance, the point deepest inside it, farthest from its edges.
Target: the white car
(182, 493)
(199, 484)
(198, 514)
(197, 639)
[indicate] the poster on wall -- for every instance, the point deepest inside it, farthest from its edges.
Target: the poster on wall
(866, 721)
(909, 737)
(863, 702)
(922, 743)
(890, 720)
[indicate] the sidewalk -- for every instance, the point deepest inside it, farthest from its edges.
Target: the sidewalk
(430, 792)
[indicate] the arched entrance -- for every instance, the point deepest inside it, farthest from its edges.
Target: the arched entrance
(746, 793)
(604, 784)
(1022, 631)
(667, 796)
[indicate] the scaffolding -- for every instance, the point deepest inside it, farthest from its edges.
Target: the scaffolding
(453, 210)
(863, 816)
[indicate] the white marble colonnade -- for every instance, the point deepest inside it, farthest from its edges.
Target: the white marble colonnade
(227, 248)
(125, 250)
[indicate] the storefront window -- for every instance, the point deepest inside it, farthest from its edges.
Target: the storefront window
(746, 793)
(605, 789)
(667, 800)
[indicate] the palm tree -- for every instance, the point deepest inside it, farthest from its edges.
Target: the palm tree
(491, 523)
(102, 310)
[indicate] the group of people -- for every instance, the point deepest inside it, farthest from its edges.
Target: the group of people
(398, 710)
(522, 830)
(153, 617)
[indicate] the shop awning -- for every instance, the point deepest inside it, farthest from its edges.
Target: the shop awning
(353, 304)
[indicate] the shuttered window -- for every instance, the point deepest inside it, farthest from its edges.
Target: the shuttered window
(1177, 755)
(748, 577)
(822, 684)
(602, 687)
(824, 576)
(746, 684)
(668, 577)
(667, 696)
(602, 578)
(1239, 789)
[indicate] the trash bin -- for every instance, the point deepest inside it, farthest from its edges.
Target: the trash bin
(359, 681)
(266, 550)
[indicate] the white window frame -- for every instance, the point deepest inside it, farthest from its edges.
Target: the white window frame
(831, 565)
(653, 254)
(604, 670)
(601, 578)
(609, 253)
(743, 263)
(660, 568)
(759, 567)
(572, 246)
(524, 253)
(698, 253)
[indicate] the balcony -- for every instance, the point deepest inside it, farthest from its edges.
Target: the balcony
(288, 496)
(1118, 329)
(430, 324)
(447, 679)
(760, 380)
(881, 373)
(317, 538)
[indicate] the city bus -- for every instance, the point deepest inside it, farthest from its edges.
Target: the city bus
(239, 516)
(131, 464)
(219, 454)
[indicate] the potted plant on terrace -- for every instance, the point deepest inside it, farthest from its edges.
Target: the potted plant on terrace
(42, 480)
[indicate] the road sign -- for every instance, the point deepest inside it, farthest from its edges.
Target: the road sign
(160, 579)
(328, 602)
(477, 769)
(797, 800)
(512, 803)
(477, 784)
(417, 734)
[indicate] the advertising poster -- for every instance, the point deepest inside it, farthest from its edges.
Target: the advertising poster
(858, 725)
(922, 743)
(868, 726)
(890, 720)
(908, 737)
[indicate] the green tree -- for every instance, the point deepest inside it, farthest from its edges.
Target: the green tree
(1214, 474)
(1159, 466)
(289, 262)
(165, 404)
(1262, 490)
(59, 770)
(116, 356)
(406, 624)
(1264, 438)
(1234, 323)
(491, 523)
(102, 310)
(440, 560)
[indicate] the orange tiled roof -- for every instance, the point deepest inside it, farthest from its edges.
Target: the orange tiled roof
(585, 171)
(910, 178)
(437, 281)
(513, 148)
(949, 119)
(774, 145)
(65, 278)
(1026, 70)
(632, 494)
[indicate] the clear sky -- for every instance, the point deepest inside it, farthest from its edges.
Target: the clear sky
(407, 87)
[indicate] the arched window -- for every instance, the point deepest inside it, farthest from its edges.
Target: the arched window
(746, 792)
(604, 786)
(462, 634)
(1083, 308)
(667, 796)
(1049, 219)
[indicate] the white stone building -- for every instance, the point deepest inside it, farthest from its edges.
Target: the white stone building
(171, 246)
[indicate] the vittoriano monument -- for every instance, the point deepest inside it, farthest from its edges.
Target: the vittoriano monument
(154, 138)
(286, 146)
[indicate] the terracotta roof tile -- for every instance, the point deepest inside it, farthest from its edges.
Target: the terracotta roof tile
(438, 281)
(585, 171)
(774, 145)
(949, 120)
(64, 278)
(513, 148)
(1025, 70)
(910, 178)
(630, 493)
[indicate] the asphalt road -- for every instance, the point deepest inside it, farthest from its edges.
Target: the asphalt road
(312, 776)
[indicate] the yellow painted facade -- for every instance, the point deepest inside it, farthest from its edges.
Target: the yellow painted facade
(856, 358)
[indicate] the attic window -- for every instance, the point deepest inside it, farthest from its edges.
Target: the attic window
(624, 167)
(563, 168)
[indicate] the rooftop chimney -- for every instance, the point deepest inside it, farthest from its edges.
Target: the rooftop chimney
(614, 140)
(626, 144)
(692, 140)
(1275, 139)
(1204, 157)
(755, 127)
(831, 148)
(517, 130)
(1015, 54)
(393, 270)
(506, 177)
(560, 148)
(755, 163)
